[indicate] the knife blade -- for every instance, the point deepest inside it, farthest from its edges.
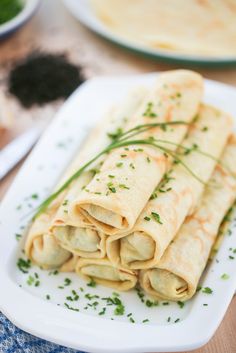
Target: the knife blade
(16, 150)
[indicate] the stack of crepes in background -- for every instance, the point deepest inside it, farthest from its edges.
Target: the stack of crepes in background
(140, 213)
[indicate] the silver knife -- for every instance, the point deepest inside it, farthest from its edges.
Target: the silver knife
(16, 150)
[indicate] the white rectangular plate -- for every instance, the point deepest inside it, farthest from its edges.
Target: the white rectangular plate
(26, 305)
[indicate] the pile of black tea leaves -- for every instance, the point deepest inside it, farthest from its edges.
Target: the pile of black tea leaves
(42, 78)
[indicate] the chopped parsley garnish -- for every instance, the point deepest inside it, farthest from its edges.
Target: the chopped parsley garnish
(153, 196)
(148, 160)
(54, 273)
(69, 298)
(231, 257)
(67, 281)
(30, 280)
(74, 297)
(145, 320)
(138, 149)
(156, 217)
(70, 307)
(181, 304)
(111, 176)
(132, 166)
(151, 304)
(196, 118)
(169, 318)
(92, 283)
(123, 186)
(187, 151)
(23, 265)
(18, 236)
(198, 288)
(207, 290)
(34, 196)
(177, 320)
(165, 180)
(95, 171)
(119, 165)
(48, 297)
(111, 187)
(94, 305)
(119, 310)
(90, 296)
(224, 276)
(102, 312)
(116, 301)
(33, 280)
(140, 294)
(116, 134)
(115, 294)
(149, 111)
(147, 218)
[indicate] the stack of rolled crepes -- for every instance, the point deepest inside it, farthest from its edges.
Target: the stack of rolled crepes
(142, 214)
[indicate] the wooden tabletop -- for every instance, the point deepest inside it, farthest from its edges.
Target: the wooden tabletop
(54, 29)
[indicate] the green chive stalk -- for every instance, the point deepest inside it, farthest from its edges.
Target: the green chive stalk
(123, 140)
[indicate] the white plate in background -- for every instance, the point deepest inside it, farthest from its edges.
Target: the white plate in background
(83, 12)
(26, 305)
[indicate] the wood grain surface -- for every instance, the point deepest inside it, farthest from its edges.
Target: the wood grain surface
(54, 29)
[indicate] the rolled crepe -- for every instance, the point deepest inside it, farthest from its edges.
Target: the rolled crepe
(41, 246)
(176, 196)
(70, 265)
(177, 274)
(80, 237)
(104, 273)
(127, 179)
